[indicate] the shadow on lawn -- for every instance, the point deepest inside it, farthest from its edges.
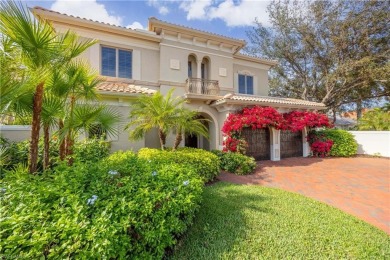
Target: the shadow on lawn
(219, 231)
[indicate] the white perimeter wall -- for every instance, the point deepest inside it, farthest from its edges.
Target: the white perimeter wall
(15, 133)
(373, 142)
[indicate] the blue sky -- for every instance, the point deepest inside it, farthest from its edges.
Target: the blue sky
(227, 17)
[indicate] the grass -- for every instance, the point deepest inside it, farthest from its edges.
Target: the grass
(251, 222)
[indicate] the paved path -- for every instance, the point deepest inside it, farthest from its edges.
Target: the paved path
(359, 186)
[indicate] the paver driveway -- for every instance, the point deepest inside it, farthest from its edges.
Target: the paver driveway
(359, 186)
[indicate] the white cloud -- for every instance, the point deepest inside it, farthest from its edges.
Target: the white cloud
(89, 9)
(135, 25)
(160, 5)
(163, 10)
(242, 13)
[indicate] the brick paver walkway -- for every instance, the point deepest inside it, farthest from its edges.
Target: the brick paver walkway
(359, 186)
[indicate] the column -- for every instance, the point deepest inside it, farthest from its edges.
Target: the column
(305, 143)
(199, 76)
(275, 144)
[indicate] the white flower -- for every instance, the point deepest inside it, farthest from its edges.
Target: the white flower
(3, 190)
(154, 173)
(92, 200)
(112, 172)
(185, 183)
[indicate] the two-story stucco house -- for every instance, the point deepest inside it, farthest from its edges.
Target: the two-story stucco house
(206, 69)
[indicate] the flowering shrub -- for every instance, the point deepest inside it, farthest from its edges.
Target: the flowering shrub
(320, 145)
(261, 117)
(120, 208)
(344, 143)
(298, 120)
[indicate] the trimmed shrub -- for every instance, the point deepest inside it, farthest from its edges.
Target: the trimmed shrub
(205, 163)
(91, 150)
(88, 150)
(120, 208)
(344, 144)
(235, 162)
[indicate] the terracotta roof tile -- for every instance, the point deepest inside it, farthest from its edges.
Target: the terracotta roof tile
(266, 99)
(121, 87)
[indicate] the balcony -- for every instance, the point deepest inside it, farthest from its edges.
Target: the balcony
(202, 87)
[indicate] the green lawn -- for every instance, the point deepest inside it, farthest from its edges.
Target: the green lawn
(251, 222)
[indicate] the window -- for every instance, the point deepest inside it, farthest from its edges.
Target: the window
(190, 69)
(116, 62)
(245, 84)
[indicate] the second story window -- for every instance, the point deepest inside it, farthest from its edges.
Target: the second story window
(116, 62)
(245, 84)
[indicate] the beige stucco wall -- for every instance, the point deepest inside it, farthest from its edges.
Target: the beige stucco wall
(259, 73)
(145, 53)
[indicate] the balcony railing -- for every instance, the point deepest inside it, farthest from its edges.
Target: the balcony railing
(202, 86)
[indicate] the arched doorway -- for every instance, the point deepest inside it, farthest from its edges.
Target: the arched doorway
(201, 142)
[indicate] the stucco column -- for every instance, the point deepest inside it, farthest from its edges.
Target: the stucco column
(199, 69)
(275, 144)
(305, 143)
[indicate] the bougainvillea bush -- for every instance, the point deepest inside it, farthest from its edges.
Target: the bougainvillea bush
(262, 117)
(320, 145)
(121, 208)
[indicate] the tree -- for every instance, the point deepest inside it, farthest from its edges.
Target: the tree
(335, 52)
(155, 111)
(376, 119)
(41, 50)
(188, 122)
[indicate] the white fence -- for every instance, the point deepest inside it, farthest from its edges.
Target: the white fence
(15, 133)
(373, 142)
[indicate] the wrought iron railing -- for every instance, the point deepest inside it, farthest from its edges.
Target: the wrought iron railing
(202, 86)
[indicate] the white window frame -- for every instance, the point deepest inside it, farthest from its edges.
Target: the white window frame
(116, 60)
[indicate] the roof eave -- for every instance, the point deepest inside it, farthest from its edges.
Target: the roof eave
(154, 22)
(271, 104)
(54, 16)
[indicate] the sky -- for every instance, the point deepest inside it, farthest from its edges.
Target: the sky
(232, 18)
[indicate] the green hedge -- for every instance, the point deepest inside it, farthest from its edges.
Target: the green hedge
(120, 208)
(205, 163)
(235, 162)
(344, 143)
(91, 150)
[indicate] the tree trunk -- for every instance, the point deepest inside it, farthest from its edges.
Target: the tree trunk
(69, 148)
(35, 127)
(334, 115)
(359, 109)
(179, 138)
(46, 147)
(62, 141)
(162, 137)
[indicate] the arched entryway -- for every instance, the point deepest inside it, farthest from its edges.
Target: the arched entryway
(201, 142)
(258, 140)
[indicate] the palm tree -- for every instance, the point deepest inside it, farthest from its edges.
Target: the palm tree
(188, 122)
(41, 50)
(52, 109)
(154, 111)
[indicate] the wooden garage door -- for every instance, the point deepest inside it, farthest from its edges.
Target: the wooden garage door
(291, 144)
(258, 143)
